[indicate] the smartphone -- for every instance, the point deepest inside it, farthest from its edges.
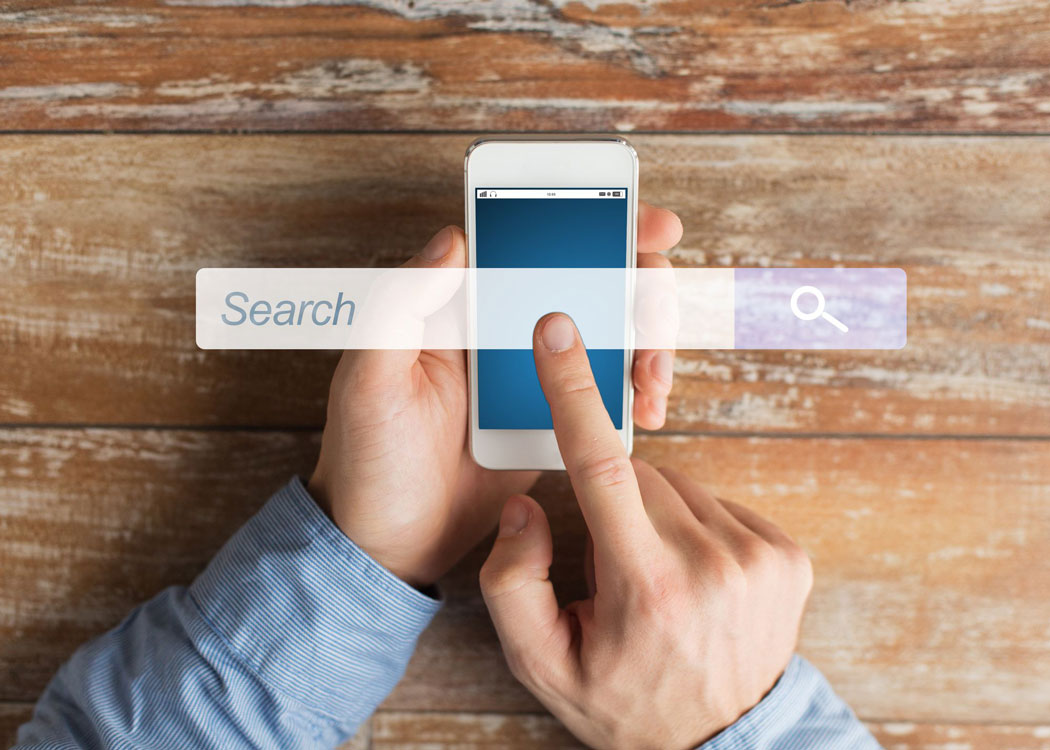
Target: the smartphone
(555, 203)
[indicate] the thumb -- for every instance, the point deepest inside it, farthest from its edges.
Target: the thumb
(535, 634)
(389, 329)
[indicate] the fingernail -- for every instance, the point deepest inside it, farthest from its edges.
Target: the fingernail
(662, 367)
(515, 518)
(558, 333)
(438, 246)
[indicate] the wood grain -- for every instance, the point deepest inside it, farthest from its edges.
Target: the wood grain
(12, 716)
(930, 559)
(100, 238)
(460, 731)
(940, 65)
(912, 736)
(930, 601)
(930, 613)
(96, 521)
(401, 730)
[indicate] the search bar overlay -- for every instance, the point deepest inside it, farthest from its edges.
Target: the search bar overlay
(827, 308)
(496, 308)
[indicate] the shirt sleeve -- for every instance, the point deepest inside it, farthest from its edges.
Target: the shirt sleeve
(801, 712)
(290, 638)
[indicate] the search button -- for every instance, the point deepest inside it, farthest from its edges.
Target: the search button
(819, 311)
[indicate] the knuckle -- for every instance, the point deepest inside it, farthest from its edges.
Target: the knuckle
(487, 576)
(530, 668)
(520, 665)
(800, 564)
(605, 470)
(495, 579)
(577, 382)
(757, 554)
(501, 580)
(658, 592)
(726, 575)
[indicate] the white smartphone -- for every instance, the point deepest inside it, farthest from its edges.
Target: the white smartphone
(557, 202)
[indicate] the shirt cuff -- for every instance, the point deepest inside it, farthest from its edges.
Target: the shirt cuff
(801, 711)
(309, 611)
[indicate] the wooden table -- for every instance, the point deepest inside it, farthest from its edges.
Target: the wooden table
(143, 140)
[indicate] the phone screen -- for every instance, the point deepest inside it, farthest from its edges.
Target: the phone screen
(546, 228)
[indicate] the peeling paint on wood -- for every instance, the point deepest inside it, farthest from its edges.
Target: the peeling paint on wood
(930, 602)
(100, 239)
(939, 65)
(930, 597)
(916, 736)
(138, 511)
(930, 612)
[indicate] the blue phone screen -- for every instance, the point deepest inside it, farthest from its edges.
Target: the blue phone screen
(545, 232)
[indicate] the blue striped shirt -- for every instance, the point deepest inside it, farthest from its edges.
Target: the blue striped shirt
(290, 639)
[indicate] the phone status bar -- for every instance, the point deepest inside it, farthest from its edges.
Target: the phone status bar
(498, 193)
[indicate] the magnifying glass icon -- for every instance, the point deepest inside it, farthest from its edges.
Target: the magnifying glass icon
(819, 312)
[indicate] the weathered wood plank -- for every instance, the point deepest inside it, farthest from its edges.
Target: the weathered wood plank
(403, 730)
(100, 238)
(465, 731)
(912, 736)
(930, 601)
(941, 65)
(95, 521)
(12, 716)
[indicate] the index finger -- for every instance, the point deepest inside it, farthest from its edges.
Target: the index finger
(597, 462)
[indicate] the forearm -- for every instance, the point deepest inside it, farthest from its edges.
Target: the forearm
(290, 638)
(800, 712)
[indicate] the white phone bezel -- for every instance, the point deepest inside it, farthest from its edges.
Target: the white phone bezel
(546, 162)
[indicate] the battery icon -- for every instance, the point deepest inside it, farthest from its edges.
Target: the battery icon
(601, 193)
(616, 193)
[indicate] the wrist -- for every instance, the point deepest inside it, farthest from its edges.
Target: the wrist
(411, 572)
(290, 570)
